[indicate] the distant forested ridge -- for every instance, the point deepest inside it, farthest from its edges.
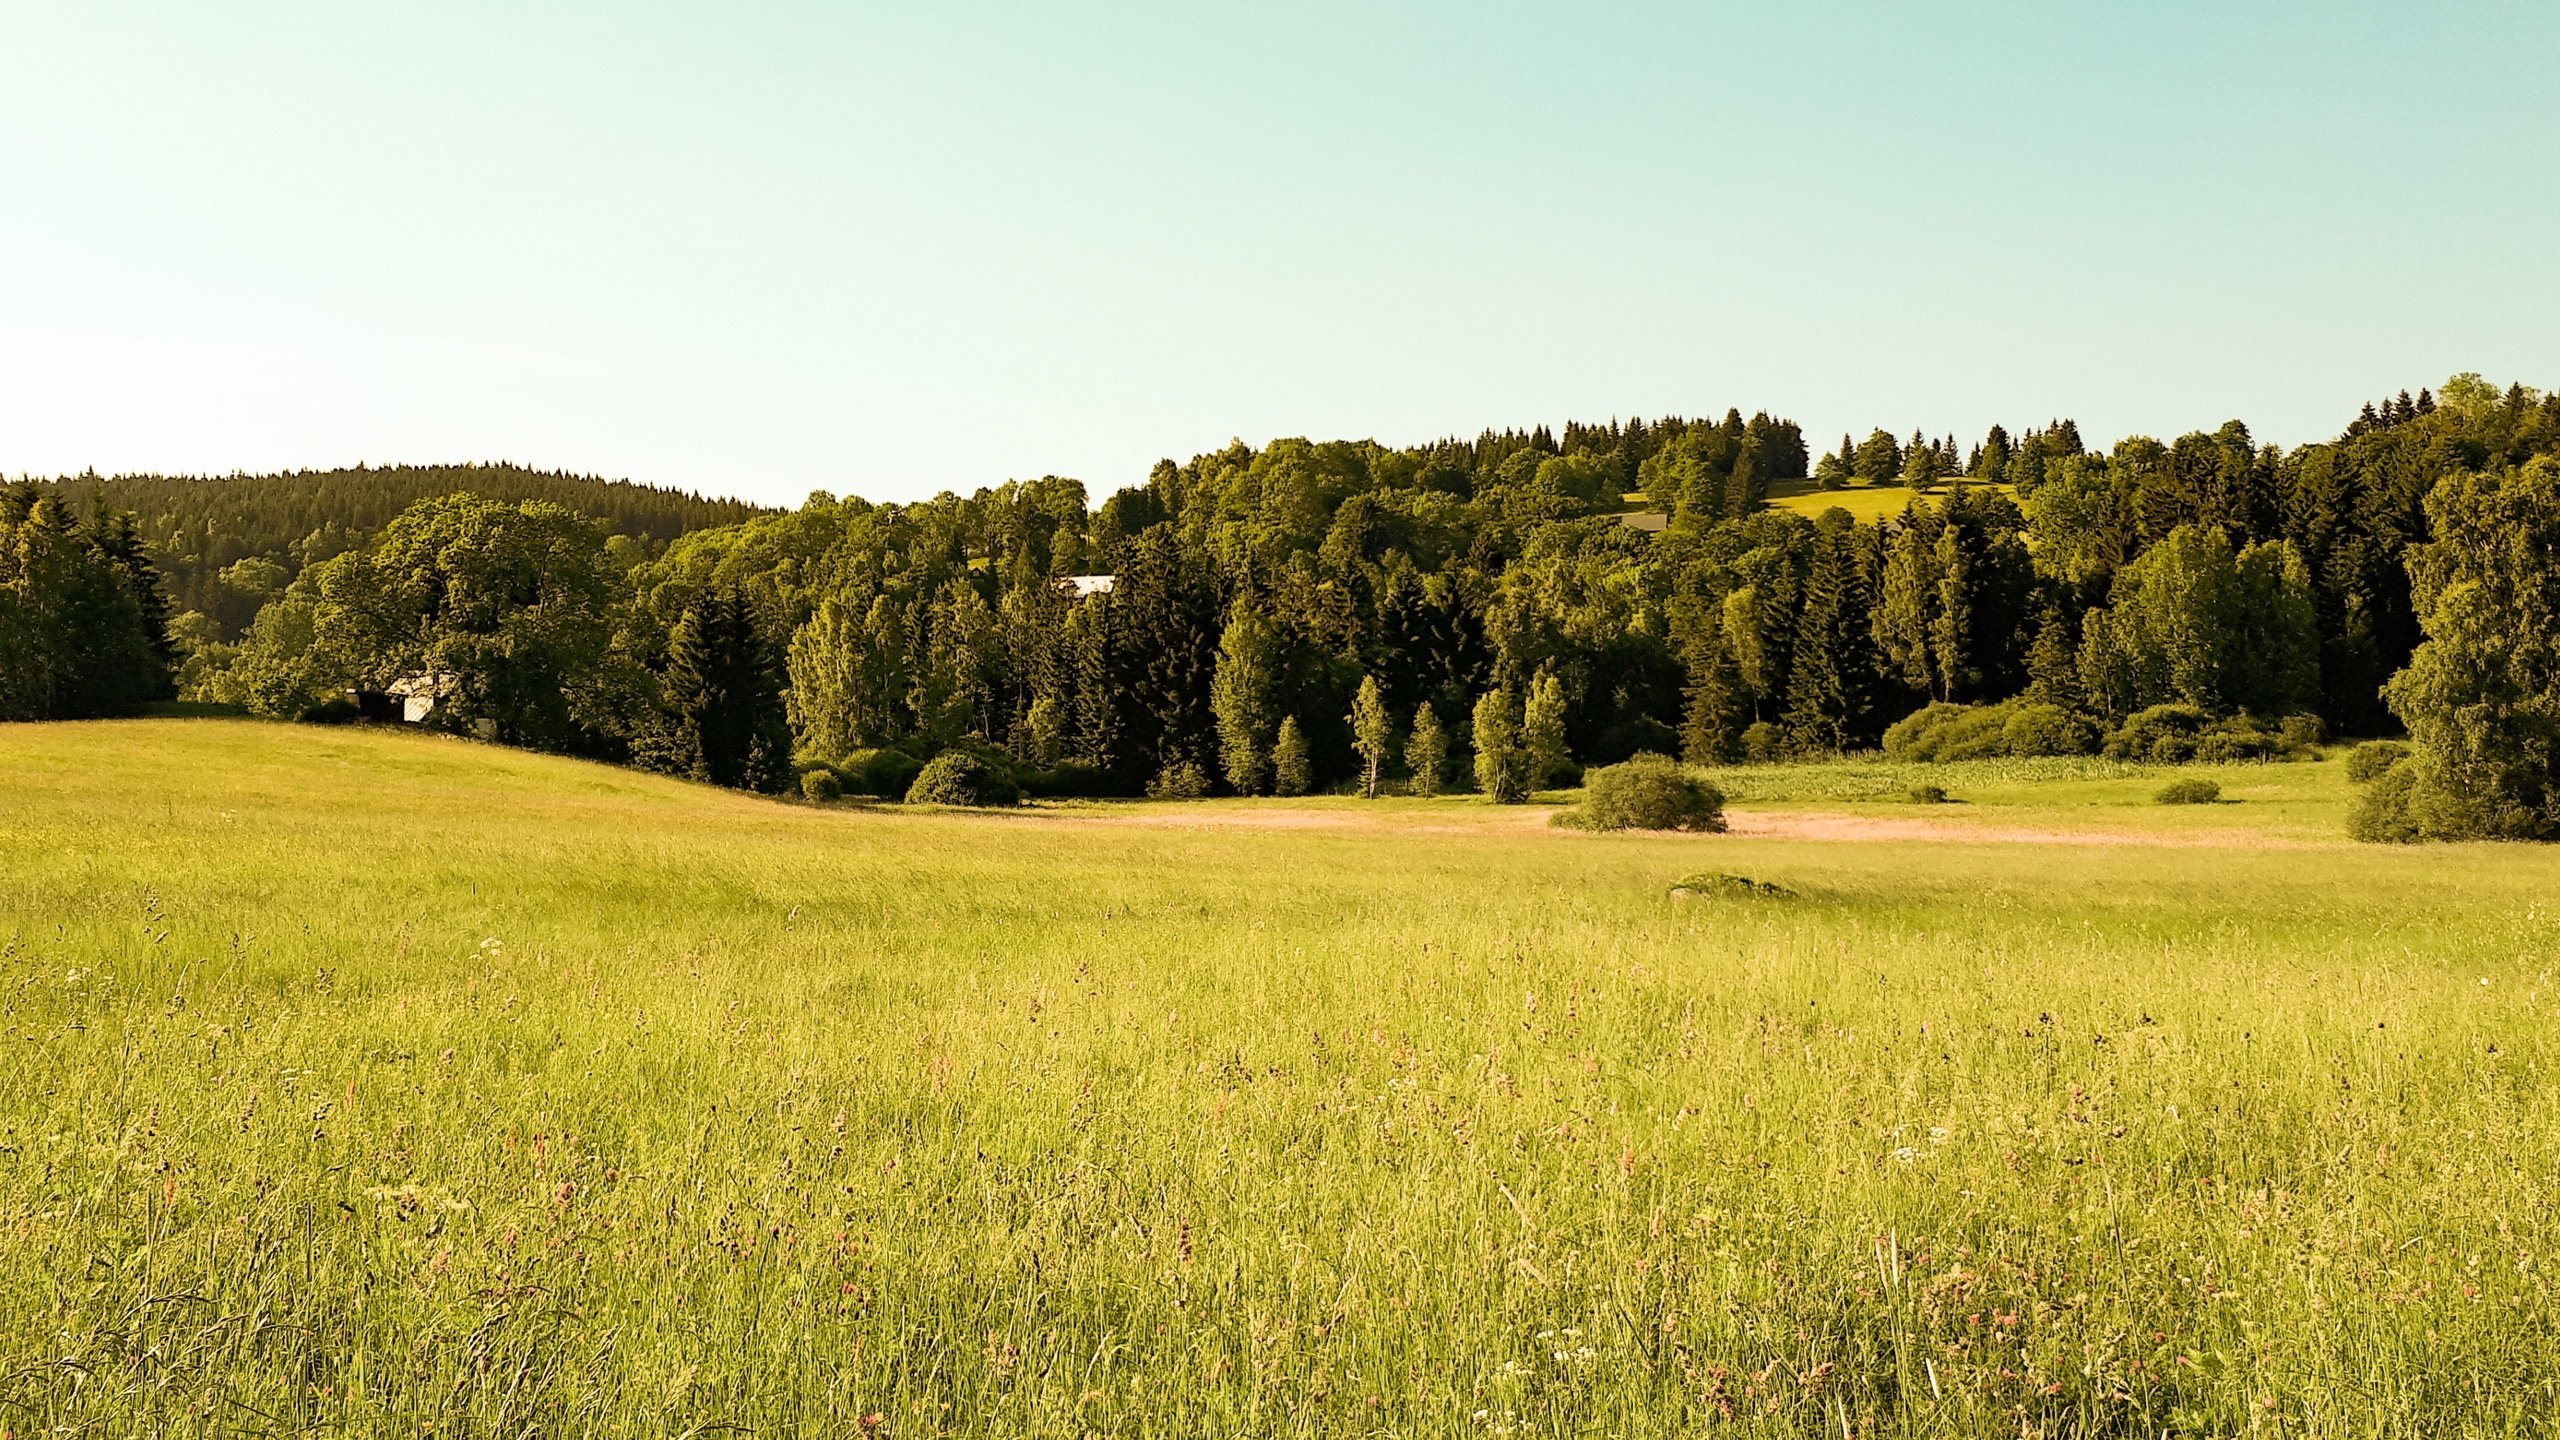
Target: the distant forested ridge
(1320, 613)
(200, 529)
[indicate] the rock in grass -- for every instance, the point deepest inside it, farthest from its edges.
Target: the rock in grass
(1715, 883)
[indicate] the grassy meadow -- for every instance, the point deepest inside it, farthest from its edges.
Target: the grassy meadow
(366, 1083)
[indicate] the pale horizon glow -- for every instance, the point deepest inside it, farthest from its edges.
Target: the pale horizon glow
(769, 248)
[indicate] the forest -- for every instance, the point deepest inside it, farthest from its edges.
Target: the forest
(1317, 614)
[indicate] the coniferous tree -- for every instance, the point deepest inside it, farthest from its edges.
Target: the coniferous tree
(1292, 769)
(724, 695)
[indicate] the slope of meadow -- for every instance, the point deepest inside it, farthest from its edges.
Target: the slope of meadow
(376, 1083)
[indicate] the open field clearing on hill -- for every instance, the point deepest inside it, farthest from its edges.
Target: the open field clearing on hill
(379, 1084)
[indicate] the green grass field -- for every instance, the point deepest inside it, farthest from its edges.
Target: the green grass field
(1866, 503)
(368, 1083)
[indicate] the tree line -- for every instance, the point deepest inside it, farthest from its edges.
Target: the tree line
(1313, 614)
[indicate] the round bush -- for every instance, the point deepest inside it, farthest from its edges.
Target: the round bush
(1928, 794)
(1181, 780)
(956, 777)
(1761, 742)
(2193, 790)
(336, 710)
(2383, 813)
(885, 773)
(1649, 792)
(2367, 762)
(2037, 730)
(821, 786)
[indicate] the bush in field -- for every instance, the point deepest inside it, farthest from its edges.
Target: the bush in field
(2160, 735)
(956, 777)
(2381, 814)
(1928, 794)
(821, 786)
(1943, 732)
(1763, 742)
(1649, 792)
(885, 773)
(2194, 790)
(2301, 732)
(1179, 780)
(2034, 731)
(2367, 762)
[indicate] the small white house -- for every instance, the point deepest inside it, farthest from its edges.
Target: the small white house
(1080, 586)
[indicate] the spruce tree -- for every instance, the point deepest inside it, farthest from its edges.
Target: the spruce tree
(1292, 771)
(725, 695)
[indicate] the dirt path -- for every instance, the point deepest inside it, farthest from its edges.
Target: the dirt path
(1823, 826)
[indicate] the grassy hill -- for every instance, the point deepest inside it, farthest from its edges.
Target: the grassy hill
(377, 1082)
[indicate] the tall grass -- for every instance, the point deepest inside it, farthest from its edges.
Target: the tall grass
(374, 1084)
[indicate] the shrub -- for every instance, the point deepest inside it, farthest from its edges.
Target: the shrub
(2301, 732)
(956, 777)
(2034, 731)
(2373, 759)
(1928, 794)
(2193, 790)
(1761, 743)
(2161, 735)
(336, 710)
(1180, 780)
(885, 773)
(2383, 814)
(1649, 792)
(1944, 732)
(2230, 744)
(821, 786)
(1718, 883)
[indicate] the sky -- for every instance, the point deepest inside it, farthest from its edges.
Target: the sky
(760, 249)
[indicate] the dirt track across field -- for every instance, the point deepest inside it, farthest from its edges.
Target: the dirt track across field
(1823, 826)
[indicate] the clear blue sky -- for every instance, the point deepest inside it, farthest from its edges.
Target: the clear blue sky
(765, 248)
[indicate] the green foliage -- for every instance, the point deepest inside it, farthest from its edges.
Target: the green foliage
(1502, 765)
(1245, 697)
(229, 544)
(1928, 794)
(956, 777)
(881, 772)
(725, 721)
(2174, 734)
(821, 786)
(2195, 622)
(1717, 883)
(1372, 735)
(2042, 729)
(1542, 732)
(2481, 696)
(1180, 780)
(1426, 752)
(2367, 762)
(1942, 732)
(1649, 792)
(2191, 790)
(1292, 771)
(81, 619)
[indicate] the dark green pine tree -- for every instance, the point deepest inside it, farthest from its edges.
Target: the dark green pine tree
(2053, 663)
(1816, 720)
(724, 691)
(1717, 703)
